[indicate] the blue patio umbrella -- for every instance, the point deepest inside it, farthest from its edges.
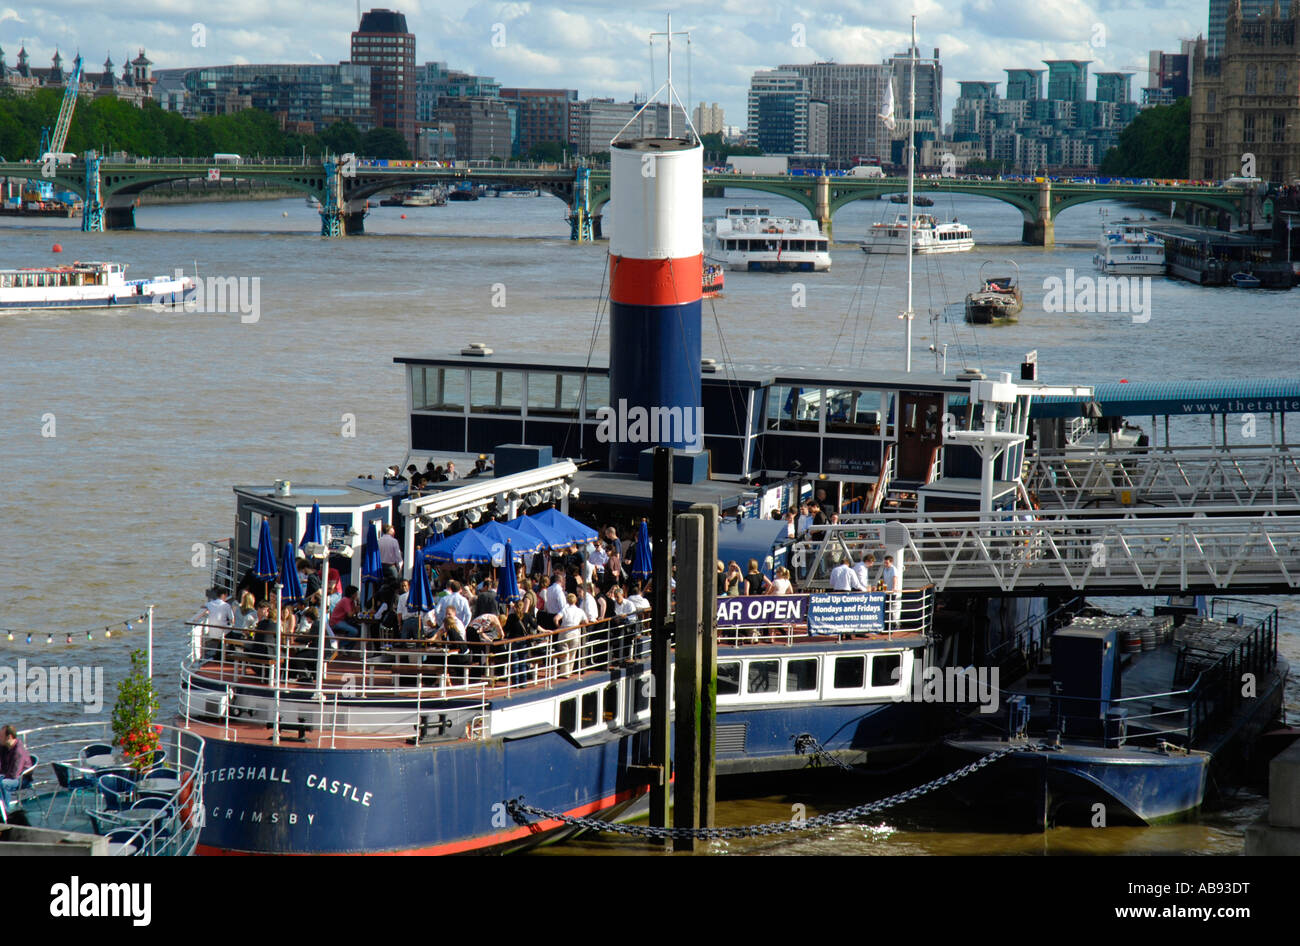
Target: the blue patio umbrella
(313, 531)
(641, 568)
(501, 533)
(372, 569)
(575, 532)
(508, 586)
(420, 598)
(290, 583)
(551, 540)
(265, 569)
(460, 549)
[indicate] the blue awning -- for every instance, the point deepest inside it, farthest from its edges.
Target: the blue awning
(1263, 395)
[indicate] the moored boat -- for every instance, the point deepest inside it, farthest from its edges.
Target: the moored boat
(713, 280)
(998, 299)
(918, 200)
(1125, 248)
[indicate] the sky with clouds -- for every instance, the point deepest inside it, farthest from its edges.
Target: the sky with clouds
(602, 49)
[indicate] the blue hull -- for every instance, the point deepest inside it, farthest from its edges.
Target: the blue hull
(115, 302)
(1046, 787)
(437, 799)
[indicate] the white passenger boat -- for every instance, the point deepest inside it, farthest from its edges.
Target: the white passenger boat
(928, 236)
(750, 238)
(1126, 249)
(93, 285)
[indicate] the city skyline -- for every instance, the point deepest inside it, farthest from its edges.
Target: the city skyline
(602, 51)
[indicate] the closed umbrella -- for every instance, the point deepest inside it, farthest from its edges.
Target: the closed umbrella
(641, 568)
(290, 583)
(419, 598)
(508, 584)
(312, 533)
(372, 569)
(265, 569)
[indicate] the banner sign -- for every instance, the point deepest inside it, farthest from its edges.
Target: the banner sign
(760, 610)
(846, 613)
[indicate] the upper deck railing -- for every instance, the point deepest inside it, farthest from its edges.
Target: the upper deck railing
(1181, 478)
(1215, 548)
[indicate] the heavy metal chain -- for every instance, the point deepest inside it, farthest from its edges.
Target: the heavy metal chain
(519, 810)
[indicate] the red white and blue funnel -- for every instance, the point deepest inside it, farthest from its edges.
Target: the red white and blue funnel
(656, 262)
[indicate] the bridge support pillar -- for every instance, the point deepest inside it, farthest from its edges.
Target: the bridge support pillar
(1041, 230)
(823, 208)
(596, 232)
(119, 214)
(92, 206)
(580, 222)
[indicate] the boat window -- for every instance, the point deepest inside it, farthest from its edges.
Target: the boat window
(801, 675)
(569, 714)
(437, 389)
(792, 408)
(597, 393)
(729, 678)
(496, 392)
(850, 673)
(764, 676)
(886, 670)
(850, 411)
(589, 709)
(609, 709)
(553, 395)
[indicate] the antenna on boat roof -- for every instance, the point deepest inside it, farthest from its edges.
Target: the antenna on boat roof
(667, 84)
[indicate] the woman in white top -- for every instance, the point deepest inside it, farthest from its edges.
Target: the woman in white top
(781, 584)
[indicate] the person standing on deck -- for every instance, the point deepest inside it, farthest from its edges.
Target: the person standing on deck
(14, 761)
(390, 553)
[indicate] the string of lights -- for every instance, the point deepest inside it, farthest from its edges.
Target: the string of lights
(15, 635)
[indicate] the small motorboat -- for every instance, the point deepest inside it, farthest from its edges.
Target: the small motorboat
(997, 300)
(1245, 280)
(918, 200)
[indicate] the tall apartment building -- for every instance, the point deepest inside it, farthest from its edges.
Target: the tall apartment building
(1114, 87)
(708, 119)
(595, 122)
(1247, 100)
(1024, 85)
(1067, 79)
(382, 42)
(929, 84)
(1250, 9)
(434, 80)
(483, 126)
(854, 94)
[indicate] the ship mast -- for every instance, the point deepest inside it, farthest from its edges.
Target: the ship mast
(911, 189)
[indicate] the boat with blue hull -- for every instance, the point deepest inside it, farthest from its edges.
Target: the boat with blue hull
(1131, 717)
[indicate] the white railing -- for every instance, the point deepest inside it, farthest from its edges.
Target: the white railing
(391, 687)
(174, 829)
(221, 556)
(1182, 477)
(1216, 548)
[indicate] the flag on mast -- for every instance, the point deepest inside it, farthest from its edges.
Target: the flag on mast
(887, 114)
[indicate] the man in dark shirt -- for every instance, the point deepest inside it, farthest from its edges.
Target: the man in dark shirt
(485, 602)
(14, 760)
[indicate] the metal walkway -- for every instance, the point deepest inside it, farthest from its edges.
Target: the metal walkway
(1182, 478)
(1140, 552)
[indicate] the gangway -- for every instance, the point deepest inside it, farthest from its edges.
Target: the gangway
(1148, 552)
(1177, 477)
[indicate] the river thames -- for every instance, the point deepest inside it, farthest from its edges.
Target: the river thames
(155, 416)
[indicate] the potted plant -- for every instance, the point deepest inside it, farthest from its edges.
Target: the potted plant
(133, 713)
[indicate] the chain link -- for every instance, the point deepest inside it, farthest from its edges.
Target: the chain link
(519, 810)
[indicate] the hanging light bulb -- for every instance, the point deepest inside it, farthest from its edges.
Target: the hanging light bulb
(69, 638)
(128, 625)
(88, 635)
(49, 638)
(29, 638)
(11, 635)
(108, 632)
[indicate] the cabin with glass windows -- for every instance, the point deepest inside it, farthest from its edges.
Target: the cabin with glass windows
(853, 432)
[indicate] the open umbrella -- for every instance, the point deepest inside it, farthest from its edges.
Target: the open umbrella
(372, 569)
(508, 585)
(575, 532)
(551, 540)
(641, 568)
(460, 549)
(420, 598)
(499, 533)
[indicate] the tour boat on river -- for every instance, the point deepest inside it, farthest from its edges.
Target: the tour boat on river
(88, 285)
